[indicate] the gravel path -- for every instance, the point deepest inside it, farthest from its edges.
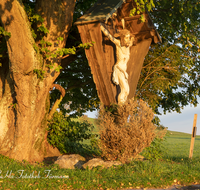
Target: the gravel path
(174, 187)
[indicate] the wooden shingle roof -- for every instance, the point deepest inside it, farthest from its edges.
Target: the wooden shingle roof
(100, 11)
(104, 9)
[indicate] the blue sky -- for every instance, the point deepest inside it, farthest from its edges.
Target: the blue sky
(182, 122)
(174, 121)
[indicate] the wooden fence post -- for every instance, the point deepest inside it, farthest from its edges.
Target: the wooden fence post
(194, 131)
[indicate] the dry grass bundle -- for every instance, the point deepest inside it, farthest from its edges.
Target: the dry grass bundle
(126, 130)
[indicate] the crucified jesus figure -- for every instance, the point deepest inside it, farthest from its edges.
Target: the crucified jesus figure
(120, 76)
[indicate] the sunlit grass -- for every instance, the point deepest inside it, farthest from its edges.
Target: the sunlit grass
(174, 168)
(178, 145)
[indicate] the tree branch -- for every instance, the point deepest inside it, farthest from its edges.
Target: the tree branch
(54, 108)
(56, 104)
(159, 68)
(157, 57)
(58, 87)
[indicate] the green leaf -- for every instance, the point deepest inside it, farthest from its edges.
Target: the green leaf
(60, 38)
(142, 18)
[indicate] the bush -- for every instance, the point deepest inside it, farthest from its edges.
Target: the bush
(68, 135)
(125, 130)
(156, 149)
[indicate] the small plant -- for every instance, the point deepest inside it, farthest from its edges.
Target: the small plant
(141, 6)
(4, 33)
(13, 105)
(155, 150)
(126, 130)
(68, 135)
(40, 73)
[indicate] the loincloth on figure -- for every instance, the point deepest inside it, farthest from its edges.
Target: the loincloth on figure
(117, 71)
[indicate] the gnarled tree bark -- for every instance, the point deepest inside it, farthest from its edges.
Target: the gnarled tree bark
(23, 97)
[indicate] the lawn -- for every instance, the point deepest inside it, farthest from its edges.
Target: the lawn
(178, 146)
(173, 168)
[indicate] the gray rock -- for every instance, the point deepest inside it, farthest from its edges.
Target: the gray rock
(71, 161)
(93, 163)
(99, 162)
(108, 164)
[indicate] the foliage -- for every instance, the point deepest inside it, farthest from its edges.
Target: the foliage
(156, 149)
(4, 33)
(81, 7)
(40, 73)
(170, 74)
(141, 6)
(127, 131)
(68, 135)
(80, 90)
(76, 77)
(13, 105)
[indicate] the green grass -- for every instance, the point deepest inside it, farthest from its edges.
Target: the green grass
(178, 145)
(93, 121)
(174, 168)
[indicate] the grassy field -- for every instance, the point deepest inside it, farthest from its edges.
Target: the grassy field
(178, 146)
(173, 168)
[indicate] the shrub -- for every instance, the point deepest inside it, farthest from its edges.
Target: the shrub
(67, 134)
(125, 130)
(156, 149)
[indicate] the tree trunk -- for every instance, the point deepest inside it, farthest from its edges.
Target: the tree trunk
(24, 97)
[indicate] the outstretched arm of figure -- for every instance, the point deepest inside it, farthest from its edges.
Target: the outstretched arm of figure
(107, 33)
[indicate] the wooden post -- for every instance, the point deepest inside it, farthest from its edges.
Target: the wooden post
(194, 130)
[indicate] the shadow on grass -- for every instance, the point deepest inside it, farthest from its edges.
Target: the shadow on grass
(180, 138)
(49, 160)
(180, 159)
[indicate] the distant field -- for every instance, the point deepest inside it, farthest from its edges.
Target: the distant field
(177, 145)
(93, 121)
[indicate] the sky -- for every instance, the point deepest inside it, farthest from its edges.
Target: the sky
(174, 121)
(182, 122)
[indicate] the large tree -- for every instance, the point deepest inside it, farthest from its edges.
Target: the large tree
(23, 94)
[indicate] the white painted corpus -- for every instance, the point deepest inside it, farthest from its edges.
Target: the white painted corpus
(120, 76)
